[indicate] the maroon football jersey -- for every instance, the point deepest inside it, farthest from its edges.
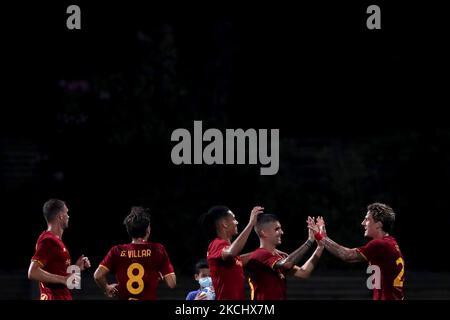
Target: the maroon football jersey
(53, 257)
(266, 283)
(138, 268)
(227, 275)
(386, 254)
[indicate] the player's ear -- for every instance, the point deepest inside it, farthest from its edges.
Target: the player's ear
(223, 223)
(261, 233)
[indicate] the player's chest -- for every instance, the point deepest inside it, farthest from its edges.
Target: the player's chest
(62, 255)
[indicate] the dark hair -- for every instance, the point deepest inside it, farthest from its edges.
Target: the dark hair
(209, 220)
(384, 214)
(264, 219)
(201, 264)
(137, 222)
(51, 208)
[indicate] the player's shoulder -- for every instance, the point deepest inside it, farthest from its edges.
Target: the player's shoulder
(47, 237)
(383, 242)
(119, 247)
(261, 255)
(218, 242)
(260, 252)
(156, 246)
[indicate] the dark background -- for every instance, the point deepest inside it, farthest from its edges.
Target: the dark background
(87, 117)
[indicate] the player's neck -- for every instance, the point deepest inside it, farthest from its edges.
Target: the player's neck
(56, 230)
(139, 240)
(268, 246)
(224, 236)
(381, 235)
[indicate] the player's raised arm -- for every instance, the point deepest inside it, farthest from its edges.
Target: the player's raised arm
(238, 244)
(308, 267)
(291, 260)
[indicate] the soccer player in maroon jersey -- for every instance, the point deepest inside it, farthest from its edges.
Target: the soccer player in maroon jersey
(138, 266)
(51, 259)
(223, 255)
(382, 251)
(268, 269)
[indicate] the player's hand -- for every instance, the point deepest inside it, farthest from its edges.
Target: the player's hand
(321, 224)
(312, 226)
(83, 262)
(111, 290)
(201, 296)
(256, 211)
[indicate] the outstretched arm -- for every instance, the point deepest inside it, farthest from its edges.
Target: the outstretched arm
(344, 253)
(306, 270)
(236, 247)
(292, 259)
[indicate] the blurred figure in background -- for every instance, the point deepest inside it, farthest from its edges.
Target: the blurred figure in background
(203, 276)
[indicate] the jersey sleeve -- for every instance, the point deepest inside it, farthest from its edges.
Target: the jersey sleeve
(216, 248)
(45, 249)
(372, 250)
(265, 257)
(166, 266)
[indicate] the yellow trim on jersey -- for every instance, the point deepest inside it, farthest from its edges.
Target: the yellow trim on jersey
(168, 274)
(252, 289)
(40, 263)
(359, 251)
(100, 265)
